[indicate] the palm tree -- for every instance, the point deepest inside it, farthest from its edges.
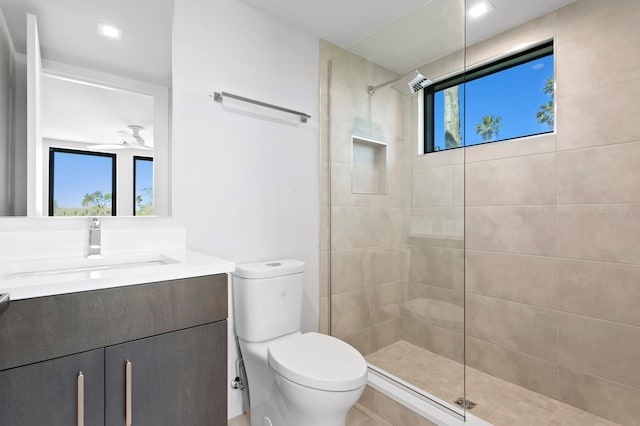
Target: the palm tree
(546, 113)
(489, 127)
(452, 135)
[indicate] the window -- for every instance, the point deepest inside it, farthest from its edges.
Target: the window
(142, 186)
(81, 183)
(505, 99)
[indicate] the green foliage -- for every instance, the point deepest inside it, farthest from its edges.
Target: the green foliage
(144, 202)
(93, 204)
(489, 128)
(547, 111)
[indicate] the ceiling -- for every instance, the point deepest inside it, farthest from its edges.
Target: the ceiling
(402, 35)
(68, 34)
(90, 114)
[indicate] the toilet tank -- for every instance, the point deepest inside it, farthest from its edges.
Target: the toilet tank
(267, 299)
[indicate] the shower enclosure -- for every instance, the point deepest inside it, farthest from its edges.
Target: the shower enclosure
(494, 281)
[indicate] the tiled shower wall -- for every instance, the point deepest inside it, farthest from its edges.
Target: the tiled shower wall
(552, 225)
(368, 268)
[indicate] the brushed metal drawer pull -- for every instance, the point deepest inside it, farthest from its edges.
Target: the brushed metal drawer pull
(128, 406)
(80, 399)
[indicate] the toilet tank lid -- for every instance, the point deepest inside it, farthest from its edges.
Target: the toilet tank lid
(270, 269)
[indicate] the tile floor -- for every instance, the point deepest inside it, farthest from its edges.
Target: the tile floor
(358, 416)
(499, 402)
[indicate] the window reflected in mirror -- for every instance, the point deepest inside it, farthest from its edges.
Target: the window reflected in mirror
(81, 183)
(143, 186)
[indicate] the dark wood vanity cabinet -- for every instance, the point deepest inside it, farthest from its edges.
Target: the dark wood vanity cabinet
(157, 355)
(46, 393)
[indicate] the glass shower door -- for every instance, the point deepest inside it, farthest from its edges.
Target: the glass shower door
(396, 251)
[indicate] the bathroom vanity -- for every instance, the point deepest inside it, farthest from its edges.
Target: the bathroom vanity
(151, 353)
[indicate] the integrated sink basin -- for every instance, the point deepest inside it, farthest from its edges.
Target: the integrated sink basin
(87, 267)
(79, 265)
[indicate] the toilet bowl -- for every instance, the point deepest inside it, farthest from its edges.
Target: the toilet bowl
(293, 378)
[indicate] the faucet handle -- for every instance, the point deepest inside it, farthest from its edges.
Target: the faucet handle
(95, 222)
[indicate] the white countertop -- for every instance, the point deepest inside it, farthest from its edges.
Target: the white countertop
(17, 279)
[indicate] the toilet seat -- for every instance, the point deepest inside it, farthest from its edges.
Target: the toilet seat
(318, 361)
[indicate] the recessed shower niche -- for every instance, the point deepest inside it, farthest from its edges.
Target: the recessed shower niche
(368, 166)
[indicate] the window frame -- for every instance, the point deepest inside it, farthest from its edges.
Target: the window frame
(53, 150)
(495, 66)
(135, 159)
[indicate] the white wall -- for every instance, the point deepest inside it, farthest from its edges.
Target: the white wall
(245, 179)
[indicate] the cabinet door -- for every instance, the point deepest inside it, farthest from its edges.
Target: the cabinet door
(178, 378)
(48, 393)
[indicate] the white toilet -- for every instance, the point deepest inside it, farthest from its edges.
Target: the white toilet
(294, 379)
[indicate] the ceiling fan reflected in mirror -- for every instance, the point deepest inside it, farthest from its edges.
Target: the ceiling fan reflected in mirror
(131, 139)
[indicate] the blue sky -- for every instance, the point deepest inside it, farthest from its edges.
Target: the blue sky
(144, 175)
(514, 94)
(76, 175)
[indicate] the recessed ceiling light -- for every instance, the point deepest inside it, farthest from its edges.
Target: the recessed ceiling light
(109, 31)
(480, 9)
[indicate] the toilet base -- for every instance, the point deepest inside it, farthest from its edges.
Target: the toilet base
(294, 404)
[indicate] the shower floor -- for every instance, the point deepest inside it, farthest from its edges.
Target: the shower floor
(499, 402)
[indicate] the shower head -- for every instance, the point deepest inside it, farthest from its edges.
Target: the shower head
(407, 84)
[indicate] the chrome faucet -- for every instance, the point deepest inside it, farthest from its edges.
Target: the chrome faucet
(94, 238)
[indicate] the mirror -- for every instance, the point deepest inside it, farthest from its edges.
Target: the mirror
(85, 107)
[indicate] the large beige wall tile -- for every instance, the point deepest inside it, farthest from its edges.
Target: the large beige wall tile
(517, 229)
(386, 111)
(325, 183)
(325, 227)
(433, 187)
(386, 333)
(437, 266)
(323, 130)
(385, 302)
(514, 326)
(341, 188)
(340, 132)
(523, 370)
(387, 226)
(350, 312)
(604, 398)
(600, 348)
(599, 175)
(435, 339)
(350, 228)
(592, 62)
(599, 65)
(599, 232)
(347, 270)
(324, 273)
(525, 279)
(609, 291)
(520, 180)
(388, 264)
(324, 316)
(590, 119)
(349, 80)
(532, 145)
(435, 306)
(581, 19)
(534, 31)
(444, 221)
